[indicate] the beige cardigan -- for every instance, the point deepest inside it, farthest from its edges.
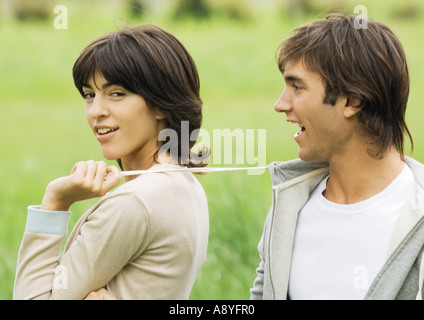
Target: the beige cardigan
(145, 240)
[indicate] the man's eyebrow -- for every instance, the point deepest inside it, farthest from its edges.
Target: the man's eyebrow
(292, 78)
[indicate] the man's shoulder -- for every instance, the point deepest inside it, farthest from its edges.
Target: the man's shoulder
(282, 171)
(417, 169)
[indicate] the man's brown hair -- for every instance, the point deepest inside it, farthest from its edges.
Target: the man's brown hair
(368, 64)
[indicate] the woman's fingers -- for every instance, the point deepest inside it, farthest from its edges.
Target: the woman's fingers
(111, 179)
(105, 179)
(90, 174)
(88, 180)
(97, 179)
(100, 178)
(79, 169)
(101, 294)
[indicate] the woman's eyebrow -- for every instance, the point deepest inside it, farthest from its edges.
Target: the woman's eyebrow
(107, 85)
(104, 86)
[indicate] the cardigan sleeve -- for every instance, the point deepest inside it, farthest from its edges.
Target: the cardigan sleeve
(112, 236)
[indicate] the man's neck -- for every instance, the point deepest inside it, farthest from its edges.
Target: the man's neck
(358, 176)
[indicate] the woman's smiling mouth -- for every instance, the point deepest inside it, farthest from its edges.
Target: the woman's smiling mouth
(103, 134)
(103, 131)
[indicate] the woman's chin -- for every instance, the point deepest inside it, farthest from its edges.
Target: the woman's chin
(110, 155)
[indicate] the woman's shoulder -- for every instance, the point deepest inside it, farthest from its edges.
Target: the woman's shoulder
(151, 197)
(162, 183)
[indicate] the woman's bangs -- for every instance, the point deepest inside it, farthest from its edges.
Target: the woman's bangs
(104, 59)
(110, 63)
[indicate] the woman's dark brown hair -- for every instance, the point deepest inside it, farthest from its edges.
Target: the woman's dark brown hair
(364, 63)
(151, 62)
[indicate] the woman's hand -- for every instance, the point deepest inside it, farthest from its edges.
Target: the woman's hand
(101, 294)
(88, 179)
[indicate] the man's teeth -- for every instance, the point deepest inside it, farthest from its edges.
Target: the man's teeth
(296, 124)
(105, 130)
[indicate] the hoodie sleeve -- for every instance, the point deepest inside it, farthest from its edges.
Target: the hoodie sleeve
(256, 292)
(420, 295)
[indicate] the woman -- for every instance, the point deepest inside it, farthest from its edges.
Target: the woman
(148, 238)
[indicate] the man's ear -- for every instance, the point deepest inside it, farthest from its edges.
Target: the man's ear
(353, 106)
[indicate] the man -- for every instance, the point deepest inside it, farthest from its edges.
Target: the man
(347, 217)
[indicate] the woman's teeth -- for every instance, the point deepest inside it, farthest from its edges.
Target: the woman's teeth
(105, 130)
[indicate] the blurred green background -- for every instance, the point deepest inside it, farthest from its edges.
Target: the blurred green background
(43, 129)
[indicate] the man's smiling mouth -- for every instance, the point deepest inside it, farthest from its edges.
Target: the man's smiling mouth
(297, 124)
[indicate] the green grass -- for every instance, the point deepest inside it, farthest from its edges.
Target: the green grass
(44, 131)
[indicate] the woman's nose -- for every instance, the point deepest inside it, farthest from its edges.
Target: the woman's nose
(98, 107)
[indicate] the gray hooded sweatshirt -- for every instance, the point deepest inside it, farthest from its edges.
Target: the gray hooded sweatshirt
(402, 275)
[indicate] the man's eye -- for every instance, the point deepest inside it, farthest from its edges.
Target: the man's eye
(296, 87)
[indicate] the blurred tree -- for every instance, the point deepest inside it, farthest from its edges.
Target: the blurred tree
(299, 7)
(136, 8)
(407, 10)
(197, 9)
(33, 10)
(239, 10)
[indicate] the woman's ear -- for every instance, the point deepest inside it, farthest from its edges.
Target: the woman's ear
(159, 115)
(353, 106)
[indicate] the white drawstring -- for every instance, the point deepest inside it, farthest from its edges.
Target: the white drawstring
(185, 169)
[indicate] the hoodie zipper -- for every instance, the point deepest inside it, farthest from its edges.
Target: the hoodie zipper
(275, 190)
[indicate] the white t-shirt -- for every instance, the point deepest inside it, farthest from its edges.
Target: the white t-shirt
(339, 248)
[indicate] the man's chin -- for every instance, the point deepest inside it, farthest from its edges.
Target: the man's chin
(309, 157)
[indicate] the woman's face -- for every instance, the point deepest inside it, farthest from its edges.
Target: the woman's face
(122, 122)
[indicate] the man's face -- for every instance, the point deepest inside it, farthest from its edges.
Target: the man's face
(325, 130)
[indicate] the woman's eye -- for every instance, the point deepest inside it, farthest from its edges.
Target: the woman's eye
(88, 95)
(117, 94)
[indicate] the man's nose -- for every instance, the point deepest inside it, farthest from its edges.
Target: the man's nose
(283, 104)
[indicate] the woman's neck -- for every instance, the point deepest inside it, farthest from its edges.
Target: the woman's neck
(146, 162)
